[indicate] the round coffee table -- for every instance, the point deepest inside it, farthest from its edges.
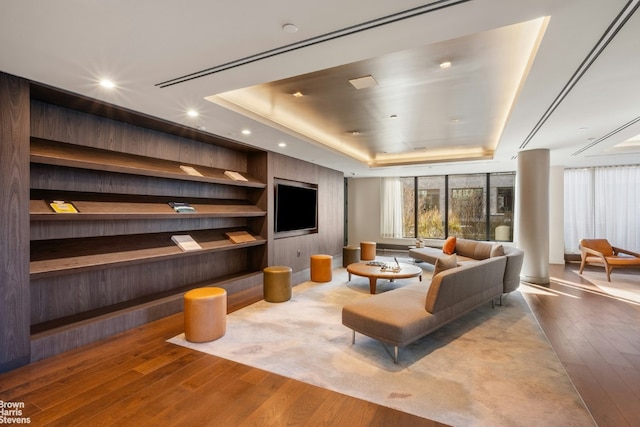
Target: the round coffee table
(374, 272)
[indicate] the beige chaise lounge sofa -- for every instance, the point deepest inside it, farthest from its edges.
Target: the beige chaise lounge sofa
(471, 250)
(406, 314)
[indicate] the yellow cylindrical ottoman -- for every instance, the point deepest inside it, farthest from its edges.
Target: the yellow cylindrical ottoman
(350, 255)
(205, 314)
(277, 283)
(321, 266)
(367, 251)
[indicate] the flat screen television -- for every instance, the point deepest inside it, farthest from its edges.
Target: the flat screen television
(296, 210)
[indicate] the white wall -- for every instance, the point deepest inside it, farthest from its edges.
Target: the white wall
(363, 214)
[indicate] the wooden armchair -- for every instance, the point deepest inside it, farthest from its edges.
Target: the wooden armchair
(600, 252)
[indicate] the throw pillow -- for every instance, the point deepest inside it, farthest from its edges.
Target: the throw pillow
(497, 250)
(445, 263)
(449, 246)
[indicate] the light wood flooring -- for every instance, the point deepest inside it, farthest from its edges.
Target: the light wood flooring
(137, 379)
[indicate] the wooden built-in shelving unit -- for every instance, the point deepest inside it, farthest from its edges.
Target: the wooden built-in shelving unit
(112, 265)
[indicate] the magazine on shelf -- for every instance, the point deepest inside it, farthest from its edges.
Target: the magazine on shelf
(182, 207)
(60, 206)
(236, 176)
(240, 236)
(190, 170)
(185, 242)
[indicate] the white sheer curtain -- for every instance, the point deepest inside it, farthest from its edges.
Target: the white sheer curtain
(391, 208)
(604, 203)
(578, 207)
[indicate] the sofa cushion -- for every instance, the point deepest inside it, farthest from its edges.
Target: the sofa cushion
(497, 250)
(449, 246)
(473, 249)
(445, 263)
(459, 289)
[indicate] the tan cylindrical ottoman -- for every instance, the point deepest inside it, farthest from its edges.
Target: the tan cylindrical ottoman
(277, 283)
(367, 251)
(350, 255)
(205, 314)
(321, 266)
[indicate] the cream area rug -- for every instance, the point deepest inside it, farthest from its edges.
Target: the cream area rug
(624, 285)
(491, 367)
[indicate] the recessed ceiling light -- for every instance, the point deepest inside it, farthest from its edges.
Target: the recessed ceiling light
(246, 132)
(192, 113)
(107, 83)
(355, 132)
(393, 116)
(298, 94)
(289, 28)
(282, 144)
(445, 64)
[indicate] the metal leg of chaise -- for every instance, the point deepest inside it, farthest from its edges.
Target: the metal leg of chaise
(353, 337)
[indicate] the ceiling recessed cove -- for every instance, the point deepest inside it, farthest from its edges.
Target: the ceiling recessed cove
(363, 82)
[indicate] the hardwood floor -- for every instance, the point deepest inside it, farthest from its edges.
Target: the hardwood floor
(597, 339)
(137, 378)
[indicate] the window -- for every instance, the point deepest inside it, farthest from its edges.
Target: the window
(431, 207)
(467, 216)
(473, 206)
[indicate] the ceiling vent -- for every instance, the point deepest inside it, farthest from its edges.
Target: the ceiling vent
(363, 82)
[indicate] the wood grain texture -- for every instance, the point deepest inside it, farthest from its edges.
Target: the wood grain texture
(138, 379)
(81, 157)
(595, 336)
(14, 225)
(49, 121)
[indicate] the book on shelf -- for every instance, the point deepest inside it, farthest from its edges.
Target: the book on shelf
(185, 242)
(240, 236)
(190, 170)
(182, 207)
(236, 176)
(60, 206)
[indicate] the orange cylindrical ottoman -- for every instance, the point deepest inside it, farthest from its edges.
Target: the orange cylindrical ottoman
(205, 314)
(321, 266)
(367, 251)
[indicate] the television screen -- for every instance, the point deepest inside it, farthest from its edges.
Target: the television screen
(296, 206)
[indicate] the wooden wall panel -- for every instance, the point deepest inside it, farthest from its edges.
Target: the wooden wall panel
(48, 177)
(14, 222)
(65, 125)
(45, 230)
(296, 251)
(56, 297)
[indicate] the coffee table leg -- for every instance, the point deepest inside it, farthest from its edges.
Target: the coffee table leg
(372, 284)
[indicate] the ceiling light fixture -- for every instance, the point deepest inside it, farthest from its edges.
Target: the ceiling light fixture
(445, 64)
(393, 116)
(282, 145)
(246, 132)
(298, 94)
(289, 28)
(192, 113)
(107, 83)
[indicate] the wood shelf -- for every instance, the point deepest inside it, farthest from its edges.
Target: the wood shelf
(94, 210)
(159, 298)
(57, 257)
(76, 156)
